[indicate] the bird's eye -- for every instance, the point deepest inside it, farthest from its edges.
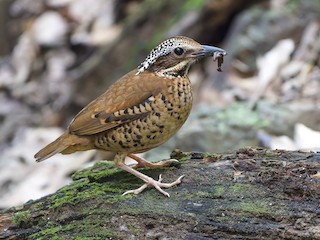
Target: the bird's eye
(179, 51)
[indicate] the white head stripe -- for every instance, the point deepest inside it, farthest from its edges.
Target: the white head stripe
(162, 49)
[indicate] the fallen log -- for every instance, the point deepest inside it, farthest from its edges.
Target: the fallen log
(252, 193)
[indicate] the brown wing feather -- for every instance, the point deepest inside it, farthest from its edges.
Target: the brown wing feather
(116, 106)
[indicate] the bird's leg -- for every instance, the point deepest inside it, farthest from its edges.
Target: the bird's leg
(142, 163)
(149, 181)
(119, 160)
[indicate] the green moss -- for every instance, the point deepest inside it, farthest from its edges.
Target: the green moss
(185, 156)
(184, 159)
(133, 229)
(268, 153)
(94, 185)
(148, 205)
(21, 218)
(219, 191)
(91, 227)
(101, 169)
(239, 188)
(258, 207)
(199, 194)
(100, 188)
(215, 156)
(94, 182)
(50, 231)
(180, 155)
(55, 238)
(83, 190)
(38, 206)
(222, 218)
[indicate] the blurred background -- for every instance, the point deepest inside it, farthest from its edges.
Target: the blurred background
(58, 55)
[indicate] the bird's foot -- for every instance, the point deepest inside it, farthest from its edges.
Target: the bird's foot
(142, 163)
(157, 184)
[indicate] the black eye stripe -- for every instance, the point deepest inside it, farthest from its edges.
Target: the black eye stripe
(165, 48)
(179, 51)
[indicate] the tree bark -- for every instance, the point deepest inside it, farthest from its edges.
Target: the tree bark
(252, 193)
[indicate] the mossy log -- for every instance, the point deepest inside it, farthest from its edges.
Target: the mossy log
(252, 193)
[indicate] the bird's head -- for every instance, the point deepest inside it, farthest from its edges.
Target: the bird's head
(174, 56)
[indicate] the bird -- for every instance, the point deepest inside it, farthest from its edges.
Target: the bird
(140, 111)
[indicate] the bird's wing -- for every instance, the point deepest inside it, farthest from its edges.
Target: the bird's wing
(128, 99)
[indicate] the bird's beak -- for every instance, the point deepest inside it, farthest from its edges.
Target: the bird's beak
(208, 51)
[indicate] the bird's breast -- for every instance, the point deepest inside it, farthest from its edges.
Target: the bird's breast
(168, 112)
(177, 101)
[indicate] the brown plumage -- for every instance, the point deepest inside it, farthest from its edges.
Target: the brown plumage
(138, 112)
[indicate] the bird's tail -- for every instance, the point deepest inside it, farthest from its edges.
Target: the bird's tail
(53, 148)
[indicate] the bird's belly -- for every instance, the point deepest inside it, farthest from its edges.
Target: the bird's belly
(166, 118)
